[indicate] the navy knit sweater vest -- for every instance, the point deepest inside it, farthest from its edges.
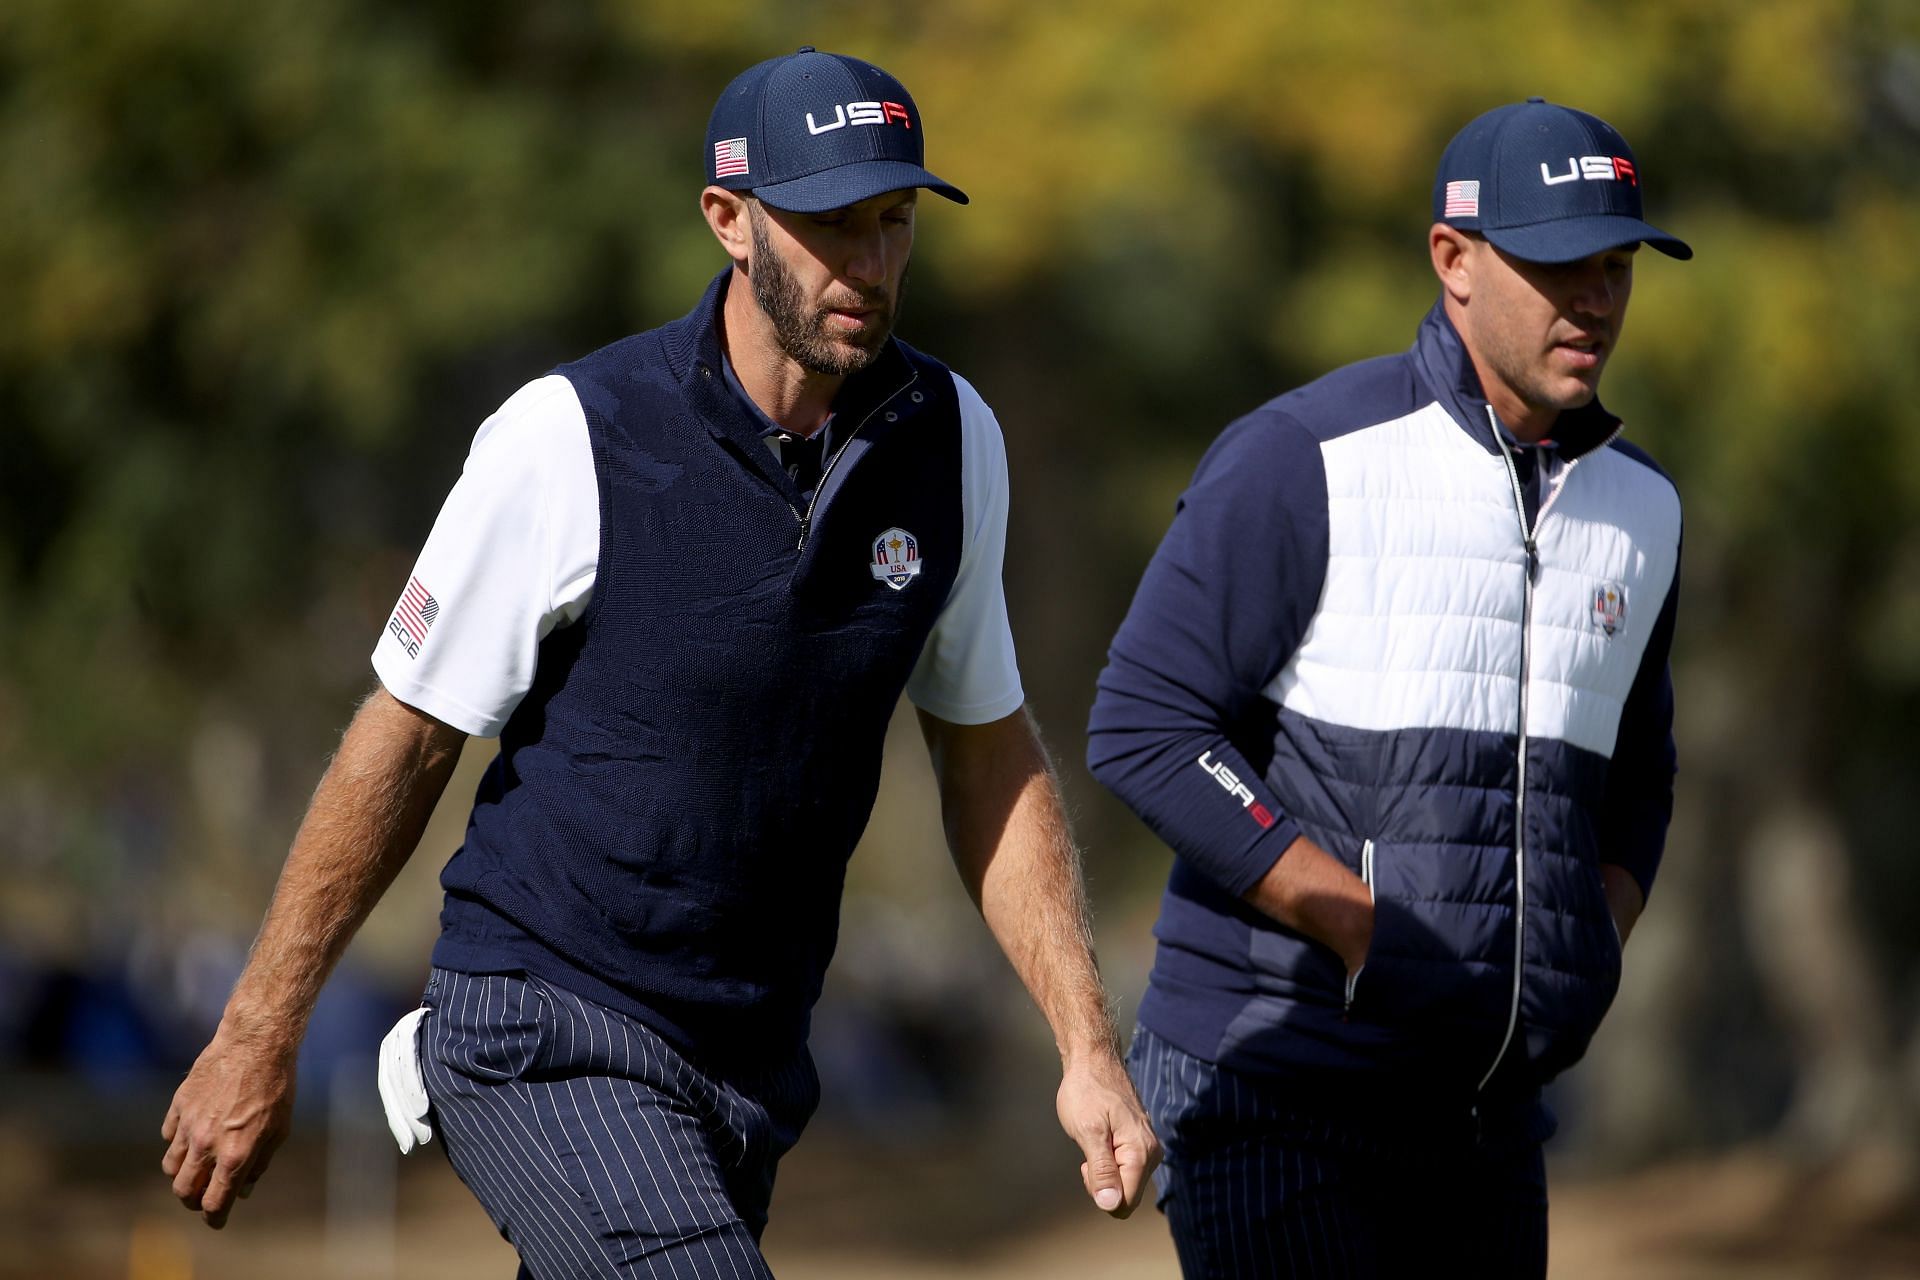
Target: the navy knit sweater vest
(667, 826)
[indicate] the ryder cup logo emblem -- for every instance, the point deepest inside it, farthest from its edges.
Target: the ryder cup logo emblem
(896, 558)
(1609, 607)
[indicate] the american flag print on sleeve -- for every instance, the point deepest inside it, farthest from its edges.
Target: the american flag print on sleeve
(413, 617)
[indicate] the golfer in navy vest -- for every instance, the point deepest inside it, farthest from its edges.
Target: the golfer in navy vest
(1395, 689)
(685, 580)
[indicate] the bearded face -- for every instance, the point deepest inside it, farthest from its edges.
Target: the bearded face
(842, 329)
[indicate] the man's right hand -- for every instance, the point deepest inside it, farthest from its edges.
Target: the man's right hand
(227, 1118)
(1311, 891)
(365, 818)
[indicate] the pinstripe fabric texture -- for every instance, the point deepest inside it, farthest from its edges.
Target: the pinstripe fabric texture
(594, 1146)
(1255, 1185)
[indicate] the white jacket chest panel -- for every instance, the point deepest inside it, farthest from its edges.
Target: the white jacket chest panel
(1423, 617)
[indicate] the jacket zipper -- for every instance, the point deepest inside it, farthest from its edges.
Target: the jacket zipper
(806, 517)
(1530, 537)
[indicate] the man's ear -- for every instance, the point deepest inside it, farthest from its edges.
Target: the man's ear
(726, 215)
(1452, 252)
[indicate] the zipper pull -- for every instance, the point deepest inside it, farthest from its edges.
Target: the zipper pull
(805, 523)
(1533, 561)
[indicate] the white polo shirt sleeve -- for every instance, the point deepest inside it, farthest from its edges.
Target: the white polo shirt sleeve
(512, 555)
(967, 674)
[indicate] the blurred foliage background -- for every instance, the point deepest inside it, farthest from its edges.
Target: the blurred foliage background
(268, 263)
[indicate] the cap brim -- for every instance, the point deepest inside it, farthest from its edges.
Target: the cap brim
(847, 184)
(1571, 239)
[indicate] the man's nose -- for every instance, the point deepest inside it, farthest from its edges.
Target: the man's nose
(1595, 294)
(867, 257)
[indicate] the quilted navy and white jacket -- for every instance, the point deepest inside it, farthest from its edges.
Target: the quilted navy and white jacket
(1375, 622)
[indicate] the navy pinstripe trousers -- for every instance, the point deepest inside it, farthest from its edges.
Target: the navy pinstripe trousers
(1257, 1184)
(597, 1149)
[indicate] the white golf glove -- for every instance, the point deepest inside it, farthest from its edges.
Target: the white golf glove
(402, 1091)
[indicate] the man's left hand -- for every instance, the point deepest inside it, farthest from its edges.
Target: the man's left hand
(1100, 1110)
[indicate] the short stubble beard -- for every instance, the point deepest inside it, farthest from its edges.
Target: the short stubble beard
(802, 332)
(1526, 375)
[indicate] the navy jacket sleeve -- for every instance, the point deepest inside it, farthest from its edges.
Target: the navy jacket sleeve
(1639, 800)
(1220, 610)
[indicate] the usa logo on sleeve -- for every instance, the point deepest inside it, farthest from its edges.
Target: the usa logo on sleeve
(896, 558)
(413, 616)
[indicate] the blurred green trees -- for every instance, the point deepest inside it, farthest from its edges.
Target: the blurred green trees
(267, 265)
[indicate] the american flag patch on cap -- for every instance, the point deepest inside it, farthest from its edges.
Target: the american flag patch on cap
(1463, 200)
(730, 158)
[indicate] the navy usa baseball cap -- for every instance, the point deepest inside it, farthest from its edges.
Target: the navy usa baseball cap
(814, 131)
(1545, 183)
